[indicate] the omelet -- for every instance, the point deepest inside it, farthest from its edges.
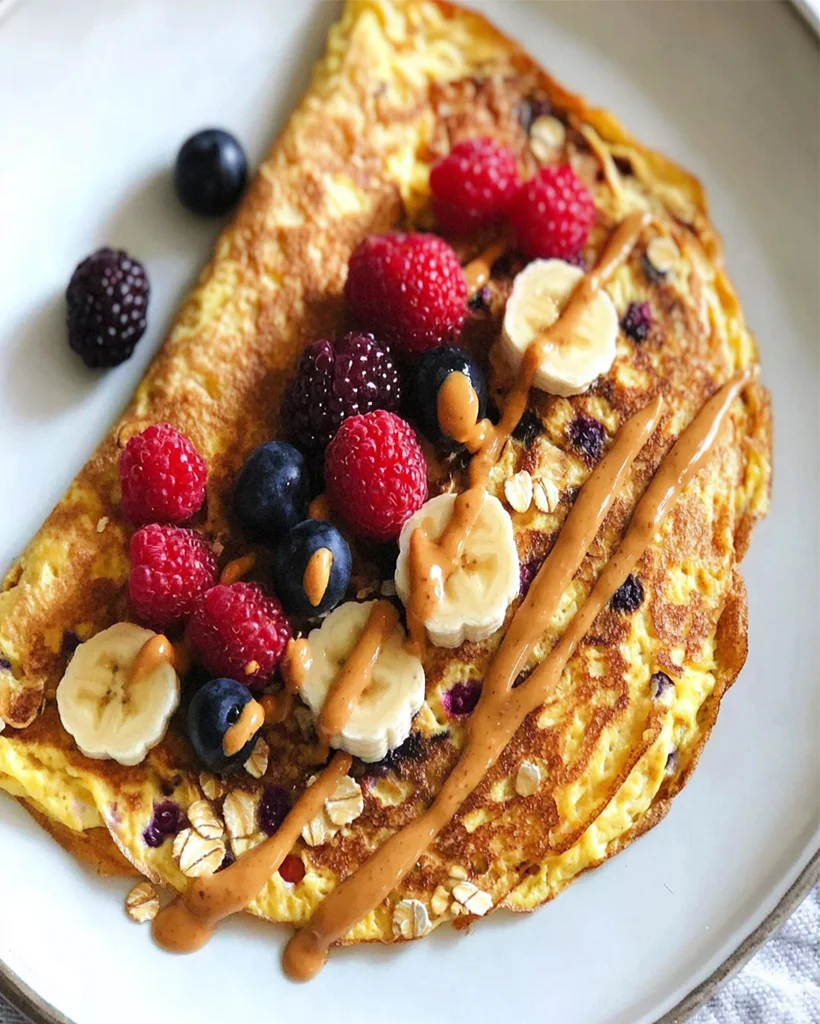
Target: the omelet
(401, 82)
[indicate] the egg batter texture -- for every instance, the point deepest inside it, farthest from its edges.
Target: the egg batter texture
(598, 765)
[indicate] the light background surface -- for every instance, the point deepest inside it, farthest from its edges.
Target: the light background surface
(103, 94)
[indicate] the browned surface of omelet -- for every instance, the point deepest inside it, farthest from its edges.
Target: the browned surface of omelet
(401, 83)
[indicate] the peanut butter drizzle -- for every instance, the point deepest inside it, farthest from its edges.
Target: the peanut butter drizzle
(457, 411)
(155, 651)
(357, 672)
(317, 575)
(238, 568)
(295, 664)
(187, 923)
(250, 721)
(501, 711)
(430, 562)
(477, 272)
(319, 508)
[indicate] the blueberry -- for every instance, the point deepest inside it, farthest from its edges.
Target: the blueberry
(273, 491)
(213, 710)
(210, 172)
(290, 561)
(433, 369)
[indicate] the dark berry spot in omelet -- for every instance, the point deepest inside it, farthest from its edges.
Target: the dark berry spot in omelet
(480, 301)
(586, 435)
(628, 597)
(69, 643)
(624, 165)
(531, 108)
(274, 805)
(659, 685)
(527, 573)
(5, 665)
(411, 750)
(653, 275)
(462, 698)
(671, 763)
(529, 427)
(168, 819)
(637, 321)
(227, 860)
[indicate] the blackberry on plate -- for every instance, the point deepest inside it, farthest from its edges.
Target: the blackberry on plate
(210, 173)
(433, 369)
(336, 379)
(107, 303)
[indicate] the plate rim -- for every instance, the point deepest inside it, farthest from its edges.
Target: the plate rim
(24, 999)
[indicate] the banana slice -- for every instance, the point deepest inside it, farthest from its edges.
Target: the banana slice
(475, 597)
(540, 293)
(380, 720)
(108, 715)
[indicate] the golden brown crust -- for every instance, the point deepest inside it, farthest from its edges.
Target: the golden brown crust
(400, 85)
(94, 848)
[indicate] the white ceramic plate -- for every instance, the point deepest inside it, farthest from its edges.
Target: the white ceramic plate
(96, 97)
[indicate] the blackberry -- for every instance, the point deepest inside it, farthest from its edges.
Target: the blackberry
(637, 321)
(351, 376)
(586, 435)
(107, 299)
(628, 597)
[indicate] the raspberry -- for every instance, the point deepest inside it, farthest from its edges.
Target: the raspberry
(334, 380)
(107, 299)
(375, 474)
(292, 869)
(409, 289)
(473, 185)
(552, 214)
(239, 632)
(162, 476)
(170, 568)
(637, 321)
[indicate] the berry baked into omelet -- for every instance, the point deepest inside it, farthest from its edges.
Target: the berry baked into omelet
(407, 587)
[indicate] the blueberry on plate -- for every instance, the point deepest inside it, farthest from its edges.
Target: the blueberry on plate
(273, 491)
(311, 568)
(210, 173)
(212, 711)
(433, 369)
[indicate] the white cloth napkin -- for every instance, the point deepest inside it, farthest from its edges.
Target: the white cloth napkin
(780, 985)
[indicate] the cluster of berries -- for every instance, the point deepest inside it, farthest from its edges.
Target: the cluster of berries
(407, 293)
